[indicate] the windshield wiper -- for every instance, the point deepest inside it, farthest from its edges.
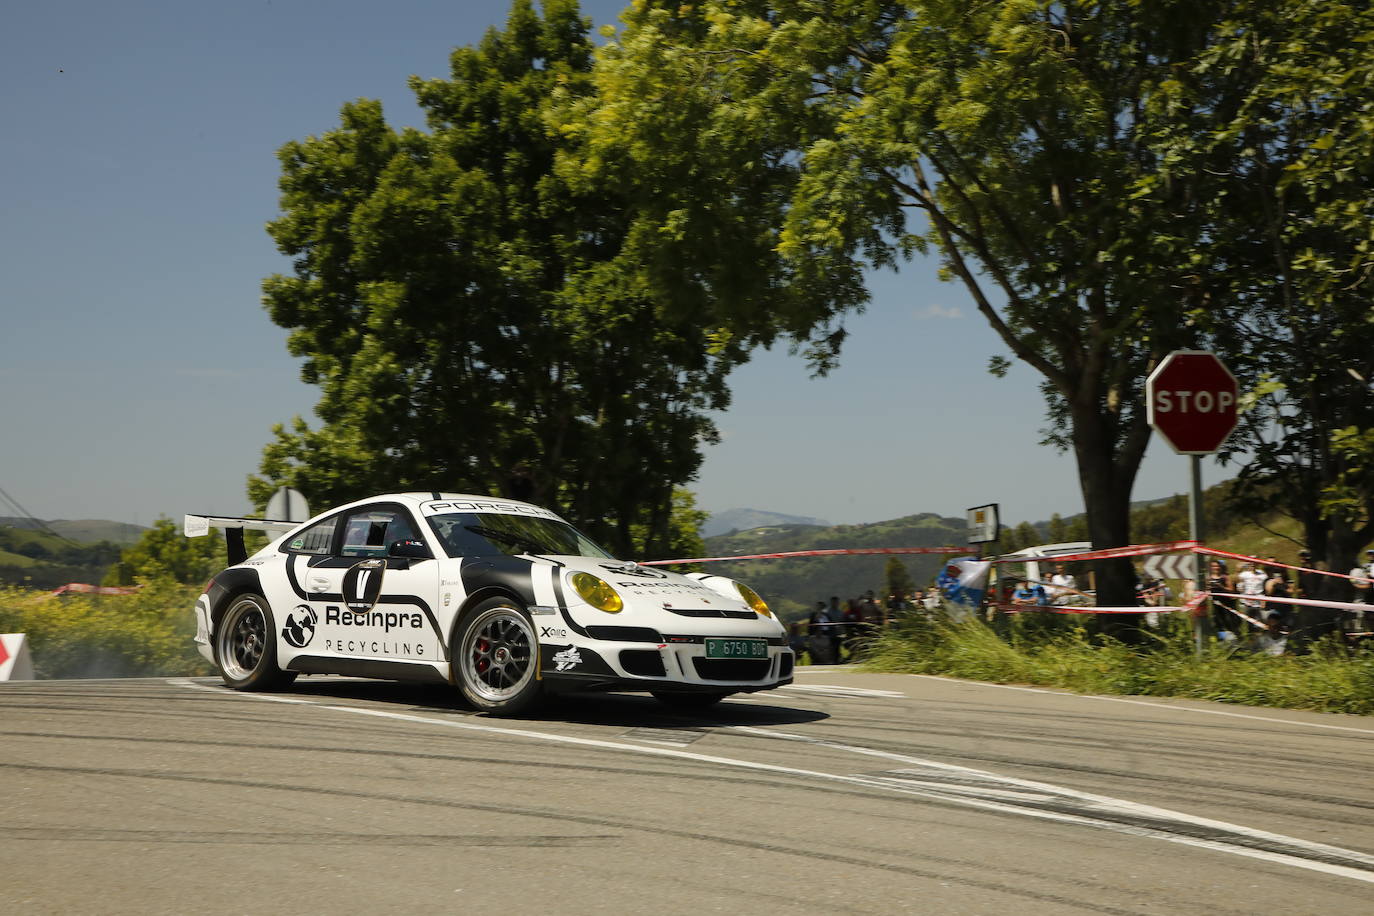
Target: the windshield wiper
(510, 538)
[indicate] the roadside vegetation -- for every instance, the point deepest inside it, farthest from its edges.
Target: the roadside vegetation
(147, 634)
(1052, 651)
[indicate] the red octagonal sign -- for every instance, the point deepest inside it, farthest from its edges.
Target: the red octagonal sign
(1191, 401)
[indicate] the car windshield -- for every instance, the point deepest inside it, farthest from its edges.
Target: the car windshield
(485, 533)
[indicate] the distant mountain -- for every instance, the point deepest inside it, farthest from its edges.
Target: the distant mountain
(83, 531)
(32, 556)
(744, 519)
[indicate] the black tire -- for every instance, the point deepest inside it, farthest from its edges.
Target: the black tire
(246, 646)
(496, 658)
(689, 702)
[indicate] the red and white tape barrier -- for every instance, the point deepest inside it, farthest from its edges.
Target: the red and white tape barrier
(1110, 553)
(1352, 606)
(859, 551)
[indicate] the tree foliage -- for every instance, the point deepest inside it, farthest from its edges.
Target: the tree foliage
(898, 578)
(819, 141)
(165, 553)
(461, 307)
(1290, 220)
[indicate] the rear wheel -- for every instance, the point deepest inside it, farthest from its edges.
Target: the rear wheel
(497, 657)
(689, 702)
(246, 646)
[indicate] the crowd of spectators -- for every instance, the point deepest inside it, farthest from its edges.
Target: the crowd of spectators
(1257, 617)
(1260, 616)
(835, 630)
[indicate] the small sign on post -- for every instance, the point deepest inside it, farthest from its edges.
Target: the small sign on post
(982, 524)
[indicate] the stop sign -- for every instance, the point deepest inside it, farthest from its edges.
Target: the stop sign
(1191, 401)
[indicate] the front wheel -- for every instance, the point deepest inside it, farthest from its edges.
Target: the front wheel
(246, 646)
(497, 657)
(688, 702)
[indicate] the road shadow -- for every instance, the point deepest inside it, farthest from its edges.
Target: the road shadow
(620, 710)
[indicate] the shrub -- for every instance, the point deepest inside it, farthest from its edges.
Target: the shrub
(147, 634)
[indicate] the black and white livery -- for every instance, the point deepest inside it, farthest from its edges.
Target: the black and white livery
(500, 598)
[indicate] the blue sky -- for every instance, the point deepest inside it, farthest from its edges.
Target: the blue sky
(142, 377)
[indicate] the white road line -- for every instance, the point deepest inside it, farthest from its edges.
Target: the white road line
(1160, 706)
(873, 782)
(836, 690)
(1099, 802)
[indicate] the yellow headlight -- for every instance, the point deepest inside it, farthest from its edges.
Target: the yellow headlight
(597, 592)
(752, 599)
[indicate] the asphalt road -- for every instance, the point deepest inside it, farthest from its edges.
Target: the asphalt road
(846, 793)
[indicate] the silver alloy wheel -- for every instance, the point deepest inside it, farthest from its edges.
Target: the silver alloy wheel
(242, 638)
(497, 654)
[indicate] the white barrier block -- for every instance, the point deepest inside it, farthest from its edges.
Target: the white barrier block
(15, 663)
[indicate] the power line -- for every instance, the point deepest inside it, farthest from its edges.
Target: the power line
(29, 516)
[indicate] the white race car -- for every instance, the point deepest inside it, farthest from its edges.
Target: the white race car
(503, 599)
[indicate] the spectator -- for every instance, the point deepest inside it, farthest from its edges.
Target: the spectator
(1308, 582)
(1063, 586)
(820, 641)
(896, 606)
(1272, 640)
(1029, 593)
(795, 640)
(1359, 584)
(1276, 586)
(855, 623)
(1250, 581)
(1222, 617)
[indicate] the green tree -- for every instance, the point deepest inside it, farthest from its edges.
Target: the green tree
(899, 581)
(779, 148)
(1289, 212)
(164, 552)
(460, 307)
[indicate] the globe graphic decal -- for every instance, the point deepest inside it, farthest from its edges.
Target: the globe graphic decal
(300, 626)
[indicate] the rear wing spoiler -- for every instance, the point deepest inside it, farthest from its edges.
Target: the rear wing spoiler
(200, 525)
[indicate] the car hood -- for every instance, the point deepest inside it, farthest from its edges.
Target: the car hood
(651, 592)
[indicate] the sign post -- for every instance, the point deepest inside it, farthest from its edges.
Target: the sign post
(1190, 401)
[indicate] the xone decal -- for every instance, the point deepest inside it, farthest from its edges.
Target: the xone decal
(552, 633)
(567, 659)
(362, 584)
(299, 628)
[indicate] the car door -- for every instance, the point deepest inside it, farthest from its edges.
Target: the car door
(362, 603)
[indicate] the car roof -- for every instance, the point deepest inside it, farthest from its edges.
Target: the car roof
(417, 498)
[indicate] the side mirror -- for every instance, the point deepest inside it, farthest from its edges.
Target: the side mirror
(410, 549)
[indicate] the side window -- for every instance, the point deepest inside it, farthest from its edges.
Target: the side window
(369, 532)
(317, 539)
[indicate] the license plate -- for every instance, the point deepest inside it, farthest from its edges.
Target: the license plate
(736, 648)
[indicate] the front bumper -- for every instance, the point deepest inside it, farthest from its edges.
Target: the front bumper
(678, 664)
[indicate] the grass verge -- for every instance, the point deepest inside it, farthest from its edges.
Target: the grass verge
(1053, 653)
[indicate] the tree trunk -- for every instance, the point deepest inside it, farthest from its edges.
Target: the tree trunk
(1106, 474)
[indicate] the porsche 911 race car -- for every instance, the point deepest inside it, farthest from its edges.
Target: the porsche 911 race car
(500, 598)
